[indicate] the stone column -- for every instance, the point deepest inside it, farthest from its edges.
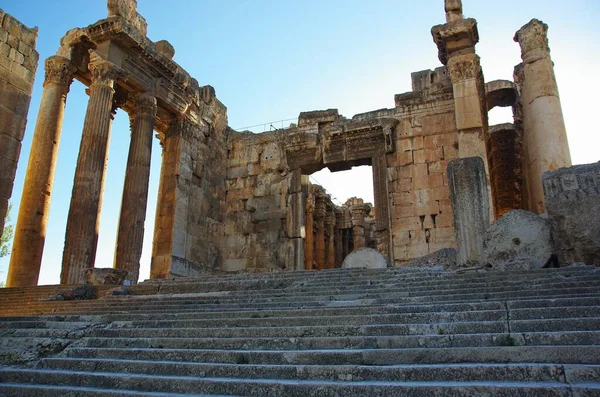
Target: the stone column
(329, 230)
(320, 211)
(81, 238)
(358, 212)
(309, 244)
(470, 207)
(339, 238)
(130, 236)
(32, 220)
(546, 145)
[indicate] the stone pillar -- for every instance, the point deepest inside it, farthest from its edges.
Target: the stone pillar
(130, 235)
(339, 238)
(456, 41)
(470, 207)
(545, 133)
(358, 225)
(309, 243)
(330, 231)
(84, 214)
(32, 221)
(320, 212)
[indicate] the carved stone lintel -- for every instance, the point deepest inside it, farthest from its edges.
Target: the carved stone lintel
(464, 67)
(59, 70)
(143, 105)
(533, 39)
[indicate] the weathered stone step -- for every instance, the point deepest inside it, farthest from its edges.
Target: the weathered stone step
(295, 388)
(407, 373)
(41, 390)
(380, 298)
(348, 342)
(562, 308)
(510, 354)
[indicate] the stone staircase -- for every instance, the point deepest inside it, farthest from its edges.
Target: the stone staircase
(392, 332)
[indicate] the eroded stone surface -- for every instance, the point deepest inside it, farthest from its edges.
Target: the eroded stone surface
(519, 240)
(105, 276)
(364, 258)
(573, 205)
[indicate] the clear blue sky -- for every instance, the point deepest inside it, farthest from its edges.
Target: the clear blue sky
(269, 60)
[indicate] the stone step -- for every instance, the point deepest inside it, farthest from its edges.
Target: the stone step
(42, 390)
(562, 308)
(248, 302)
(407, 373)
(278, 387)
(502, 354)
(346, 342)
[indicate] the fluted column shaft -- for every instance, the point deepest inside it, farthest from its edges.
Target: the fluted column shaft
(309, 243)
(320, 211)
(30, 233)
(130, 237)
(84, 214)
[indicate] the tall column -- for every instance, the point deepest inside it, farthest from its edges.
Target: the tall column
(546, 144)
(309, 244)
(358, 225)
(81, 238)
(320, 211)
(32, 221)
(130, 236)
(329, 230)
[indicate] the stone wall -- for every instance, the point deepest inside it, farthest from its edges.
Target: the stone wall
(18, 63)
(257, 234)
(426, 139)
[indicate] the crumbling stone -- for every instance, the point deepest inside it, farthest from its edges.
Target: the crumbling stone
(105, 276)
(519, 240)
(572, 199)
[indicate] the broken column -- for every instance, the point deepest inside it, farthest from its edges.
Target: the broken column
(470, 207)
(130, 237)
(545, 138)
(320, 212)
(573, 205)
(28, 245)
(309, 244)
(81, 238)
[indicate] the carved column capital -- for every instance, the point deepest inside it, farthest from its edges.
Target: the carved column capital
(103, 72)
(329, 222)
(144, 104)
(464, 67)
(320, 207)
(59, 70)
(182, 126)
(533, 40)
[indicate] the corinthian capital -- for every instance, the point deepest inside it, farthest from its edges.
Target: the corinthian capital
(144, 104)
(103, 72)
(59, 70)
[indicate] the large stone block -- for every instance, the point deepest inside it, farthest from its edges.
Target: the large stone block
(470, 206)
(105, 276)
(572, 198)
(519, 240)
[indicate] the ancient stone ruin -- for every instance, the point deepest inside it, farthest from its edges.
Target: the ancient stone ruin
(233, 201)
